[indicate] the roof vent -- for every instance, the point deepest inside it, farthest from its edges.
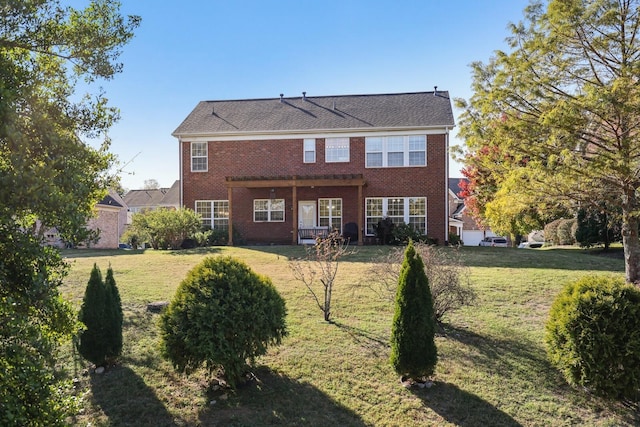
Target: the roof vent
(281, 95)
(435, 91)
(334, 105)
(304, 96)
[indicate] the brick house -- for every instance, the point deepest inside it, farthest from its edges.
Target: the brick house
(109, 220)
(274, 170)
(460, 222)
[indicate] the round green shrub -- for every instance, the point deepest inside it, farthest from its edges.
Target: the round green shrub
(223, 315)
(593, 335)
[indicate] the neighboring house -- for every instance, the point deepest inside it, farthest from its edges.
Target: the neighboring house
(460, 222)
(140, 200)
(109, 220)
(279, 170)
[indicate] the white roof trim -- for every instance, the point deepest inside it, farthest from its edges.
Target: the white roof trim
(315, 133)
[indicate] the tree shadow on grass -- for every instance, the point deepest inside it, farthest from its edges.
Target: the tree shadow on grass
(207, 250)
(275, 399)
(519, 358)
(523, 361)
(558, 258)
(126, 400)
(462, 408)
(373, 343)
(90, 253)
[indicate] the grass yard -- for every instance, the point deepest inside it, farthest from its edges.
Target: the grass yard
(492, 368)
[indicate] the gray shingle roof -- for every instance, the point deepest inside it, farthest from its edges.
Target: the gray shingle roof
(154, 198)
(400, 110)
(454, 185)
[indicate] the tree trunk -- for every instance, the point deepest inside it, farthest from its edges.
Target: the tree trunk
(630, 238)
(327, 302)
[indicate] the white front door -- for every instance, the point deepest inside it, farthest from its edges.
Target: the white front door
(307, 214)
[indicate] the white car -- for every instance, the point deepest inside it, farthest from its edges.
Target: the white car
(530, 245)
(495, 241)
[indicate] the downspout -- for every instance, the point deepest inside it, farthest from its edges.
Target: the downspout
(180, 173)
(446, 186)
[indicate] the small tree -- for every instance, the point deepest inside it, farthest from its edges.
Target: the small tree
(598, 226)
(101, 340)
(322, 261)
(223, 315)
(413, 348)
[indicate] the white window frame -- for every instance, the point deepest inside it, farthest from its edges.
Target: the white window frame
(405, 214)
(333, 219)
(379, 151)
(197, 154)
(274, 208)
(337, 150)
(309, 148)
(218, 211)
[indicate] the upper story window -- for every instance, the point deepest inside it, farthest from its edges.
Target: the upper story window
(268, 210)
(199, 157)
(309, 150)
(396, 151)
(336, 150)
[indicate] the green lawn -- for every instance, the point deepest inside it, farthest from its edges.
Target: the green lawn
(492, 367)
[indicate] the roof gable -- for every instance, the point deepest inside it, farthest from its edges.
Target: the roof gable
(454, 186)
(401, 110)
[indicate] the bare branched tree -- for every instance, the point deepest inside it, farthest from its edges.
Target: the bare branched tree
(448, 277)
(321, 265)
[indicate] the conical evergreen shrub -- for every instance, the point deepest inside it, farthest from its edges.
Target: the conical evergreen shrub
(413, 348)
(115, 316)
(101, 313)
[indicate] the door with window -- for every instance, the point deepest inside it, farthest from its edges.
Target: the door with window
(307, 214)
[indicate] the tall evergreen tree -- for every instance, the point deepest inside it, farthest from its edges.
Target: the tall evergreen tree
(413, 349)
(92, 340)
(116, 317)
(101, 314)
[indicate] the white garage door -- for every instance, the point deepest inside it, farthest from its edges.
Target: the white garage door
(472, 237)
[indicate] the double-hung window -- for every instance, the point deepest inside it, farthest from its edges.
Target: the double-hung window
(199, 157)
(400, 210)
(336, 150)
(214, 213)
(268, 210)
(330, 213)
(309, 150)
(395, 151)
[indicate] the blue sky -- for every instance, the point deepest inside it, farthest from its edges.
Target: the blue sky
(189, 51)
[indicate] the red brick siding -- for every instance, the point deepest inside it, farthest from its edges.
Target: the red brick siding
(285, 157)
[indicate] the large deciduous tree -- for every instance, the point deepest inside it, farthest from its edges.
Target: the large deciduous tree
(564, 103)
(48, 177)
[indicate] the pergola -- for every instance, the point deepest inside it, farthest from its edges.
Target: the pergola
(295, 182)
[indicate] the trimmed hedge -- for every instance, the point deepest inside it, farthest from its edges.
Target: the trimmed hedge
(223, 315)
(593, 335)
